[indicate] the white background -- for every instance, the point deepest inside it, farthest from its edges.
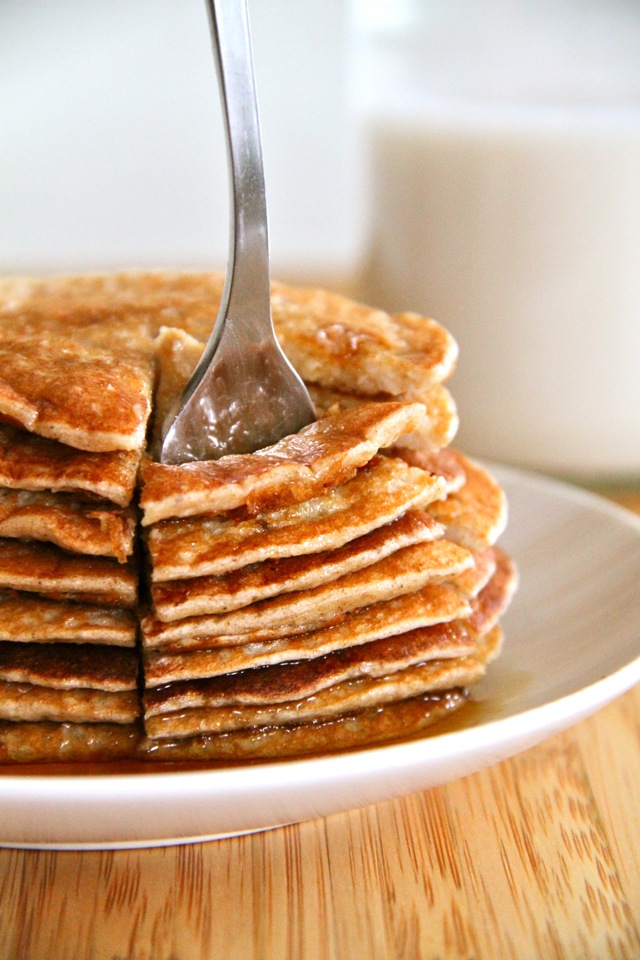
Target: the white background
(111, 139)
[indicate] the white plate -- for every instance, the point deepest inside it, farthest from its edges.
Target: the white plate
(572, 645)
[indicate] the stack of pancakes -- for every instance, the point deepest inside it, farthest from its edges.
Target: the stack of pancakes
(75, 397)
(340, 588)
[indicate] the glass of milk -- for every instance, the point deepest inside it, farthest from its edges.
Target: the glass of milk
(502, 144)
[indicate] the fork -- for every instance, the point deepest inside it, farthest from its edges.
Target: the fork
(244, 394)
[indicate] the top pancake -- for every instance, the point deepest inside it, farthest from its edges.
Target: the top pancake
(330, 339)
(79, 376)
(337, 343)
(185, 299)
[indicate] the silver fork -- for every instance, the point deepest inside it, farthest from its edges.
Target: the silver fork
(244, 394)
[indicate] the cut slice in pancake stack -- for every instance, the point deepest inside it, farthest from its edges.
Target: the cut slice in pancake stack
(339, 588)
(75, 398)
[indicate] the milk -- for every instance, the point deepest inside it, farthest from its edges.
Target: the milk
(522, 235)
(504, 200)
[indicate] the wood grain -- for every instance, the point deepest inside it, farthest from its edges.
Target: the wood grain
(536, 857)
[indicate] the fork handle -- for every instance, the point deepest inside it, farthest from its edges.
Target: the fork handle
(247, 287)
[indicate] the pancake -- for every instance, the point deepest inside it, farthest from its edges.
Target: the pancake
(433, 604)
(188, 300)
(495, 597)
(177, 355)
(443, 463)
(66, 377)
(29, 462)
(28, 702)
(297, 468)
(335, 342)
(177, 599)
(471, 581)
(330, 339)
(77, 742)
(26, 618)
(406, 570)
(64, 666)
(68, 742)
(379, 493)
(45, 569)
(475, 515)
(73, 524)
(295, 680)
(437, 431)
(380, 724)
(341, 698)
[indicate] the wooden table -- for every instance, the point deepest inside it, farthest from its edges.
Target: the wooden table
(537, 857)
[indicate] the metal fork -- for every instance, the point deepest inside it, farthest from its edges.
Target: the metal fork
(244, 394)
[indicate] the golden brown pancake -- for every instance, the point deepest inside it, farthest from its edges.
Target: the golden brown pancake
(29, 462)
(342, 698)
(437, 430)
(443, 463)
(379, 493)
(28, 618)
(72, 524)
(472, 581)
(297, 468)
(69, 666)
(177, 355)
(68, 742)
(188, 300)
(380, 724)
(495, 597)
(295, 680)
(338, 343)
(475, 515)
(77, 742)
(194, 597)
(407, 616)
(72, 376)
(402, 572)
(45, 569)
(29, 702)
(331, 339)
(201, 715)
(433, 604)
